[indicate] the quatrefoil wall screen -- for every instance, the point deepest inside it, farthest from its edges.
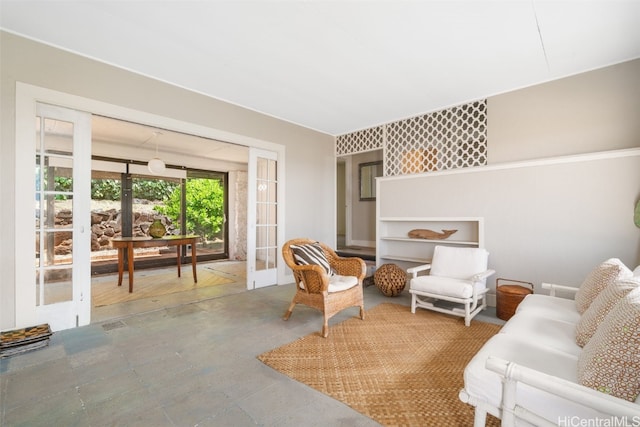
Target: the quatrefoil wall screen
(447, 139)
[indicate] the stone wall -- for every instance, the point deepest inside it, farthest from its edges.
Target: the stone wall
(105, 224)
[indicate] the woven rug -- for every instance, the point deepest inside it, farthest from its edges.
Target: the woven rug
(398, 368)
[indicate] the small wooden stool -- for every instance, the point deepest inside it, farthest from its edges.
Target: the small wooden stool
(509, 296)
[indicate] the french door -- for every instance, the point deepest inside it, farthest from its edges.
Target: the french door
(262, 241)
(54, 282)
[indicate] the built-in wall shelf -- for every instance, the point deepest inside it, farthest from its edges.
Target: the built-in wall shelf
(395, 246)
(449, 242)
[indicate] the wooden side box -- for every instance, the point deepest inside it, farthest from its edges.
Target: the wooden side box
(509, 295)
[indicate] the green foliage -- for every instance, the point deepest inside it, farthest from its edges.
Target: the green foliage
(110, 189)
(205, 199)
(205, 207)
(62, 184)
(105, 189)
(154, 189)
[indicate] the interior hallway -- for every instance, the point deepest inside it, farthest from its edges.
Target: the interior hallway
(186, 364)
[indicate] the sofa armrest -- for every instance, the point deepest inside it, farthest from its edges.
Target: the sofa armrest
(514, 374)
(553, 288)
(415, 270)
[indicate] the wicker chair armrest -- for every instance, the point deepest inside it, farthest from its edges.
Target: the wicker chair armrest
(350, 266)
(307, 268)
(415, 270)
(315, 277)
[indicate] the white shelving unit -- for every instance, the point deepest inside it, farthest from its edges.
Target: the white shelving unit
(395, 246)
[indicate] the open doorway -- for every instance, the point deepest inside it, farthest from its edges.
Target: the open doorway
(341, 204)
(185, 149)
(356, 215)
(199, 193)
(195, 204)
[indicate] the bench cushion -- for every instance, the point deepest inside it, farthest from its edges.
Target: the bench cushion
(444, 286)
(553, 333)
(339, 283)
(546, 306)
(487, 385)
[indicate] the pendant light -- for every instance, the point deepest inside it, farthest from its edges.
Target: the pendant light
(156, 165)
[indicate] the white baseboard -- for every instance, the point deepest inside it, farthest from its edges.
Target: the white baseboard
(491, 300)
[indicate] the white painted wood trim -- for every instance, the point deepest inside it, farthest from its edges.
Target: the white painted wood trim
(613, 154)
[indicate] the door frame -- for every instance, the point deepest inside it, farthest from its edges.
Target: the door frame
(27, 96)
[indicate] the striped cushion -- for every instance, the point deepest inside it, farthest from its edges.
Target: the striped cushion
(311, 254)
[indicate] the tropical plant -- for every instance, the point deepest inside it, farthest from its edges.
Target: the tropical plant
(105, 189)
(205, 207)
(154, 189)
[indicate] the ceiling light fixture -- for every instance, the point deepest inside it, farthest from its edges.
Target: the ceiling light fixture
(156, 165)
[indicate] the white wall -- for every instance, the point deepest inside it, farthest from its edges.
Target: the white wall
(309, 154)
(588, 112)
(550, 220)
(545, 221)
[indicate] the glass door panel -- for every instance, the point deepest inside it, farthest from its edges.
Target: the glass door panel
(200, 197)
(54, 211)
(155, 198)
(206, 212)
(262, 244)
(106, 214)
(58, 278)
(265, 207)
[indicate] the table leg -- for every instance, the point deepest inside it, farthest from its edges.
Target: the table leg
(120, 265)
(130, 262)
(193, 262)
(178, 247)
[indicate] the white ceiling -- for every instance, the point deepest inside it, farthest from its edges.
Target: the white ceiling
(339, 66)
(118, 138)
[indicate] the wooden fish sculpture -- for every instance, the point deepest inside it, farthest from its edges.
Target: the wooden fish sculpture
(430, 234)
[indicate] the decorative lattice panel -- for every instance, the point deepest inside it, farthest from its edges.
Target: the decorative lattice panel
(446, 139)
(360, 141)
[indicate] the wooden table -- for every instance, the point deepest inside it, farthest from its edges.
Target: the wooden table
(128, 243)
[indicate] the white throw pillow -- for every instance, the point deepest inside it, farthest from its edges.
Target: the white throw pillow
(610, 361)
(600, 277)
(600, 307)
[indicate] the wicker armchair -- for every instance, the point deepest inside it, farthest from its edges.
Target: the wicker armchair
(316, 288)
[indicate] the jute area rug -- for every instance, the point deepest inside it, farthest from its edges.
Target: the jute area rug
(398, 368)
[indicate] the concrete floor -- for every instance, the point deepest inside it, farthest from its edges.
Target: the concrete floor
(188, 364)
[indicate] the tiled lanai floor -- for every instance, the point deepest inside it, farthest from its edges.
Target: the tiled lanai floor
(186, 365)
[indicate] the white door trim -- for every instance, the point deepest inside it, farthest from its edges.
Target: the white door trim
(27, 96)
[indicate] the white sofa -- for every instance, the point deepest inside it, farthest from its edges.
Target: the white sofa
(528, 373)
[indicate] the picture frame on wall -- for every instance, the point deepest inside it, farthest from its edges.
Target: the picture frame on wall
(367, 174)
